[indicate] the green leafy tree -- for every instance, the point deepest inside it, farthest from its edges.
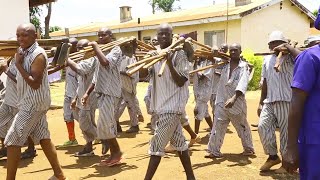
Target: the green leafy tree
(34, 15)
(315, 12)
(54, 28)
(163, 5)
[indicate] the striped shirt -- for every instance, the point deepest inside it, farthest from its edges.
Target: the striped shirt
(238, 82)
(86, 70)
(202, 87)
(128, 83)
(215, 77)
(166, 95)
(278, 83)
(107, 78)
(10, 97)
(71, 83)
(33, 99)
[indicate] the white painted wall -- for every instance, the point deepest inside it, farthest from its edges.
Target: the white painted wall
(12, 13)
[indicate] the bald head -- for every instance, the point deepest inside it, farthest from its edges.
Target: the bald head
(28, 27)
(224, 48)
(73, 41)
(82, 43)
(26, 35)
(104, 35)
(164, 35)
(235, 51)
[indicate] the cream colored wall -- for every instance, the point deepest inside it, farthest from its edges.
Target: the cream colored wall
(233, 34)
(126, 34)
(12, 13)
(256, 27)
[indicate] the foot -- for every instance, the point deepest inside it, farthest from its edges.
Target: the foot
(133, 129)
(211, 156)
(269, 163)
(56, 178)
(3, 152)
(105, 147)
(169, 149)
(119, 129)
(195, 140)
(281, 170)
(29, 153)
(111, 161)
(69, 143)
(248, 153)
(84, 153)
(140, 118)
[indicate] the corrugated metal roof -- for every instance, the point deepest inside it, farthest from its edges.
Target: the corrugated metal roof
(172, 17)
(33, 3)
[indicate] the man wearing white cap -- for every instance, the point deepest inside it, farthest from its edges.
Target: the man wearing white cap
(275, 99)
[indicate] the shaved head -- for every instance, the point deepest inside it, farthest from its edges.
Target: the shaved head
(26, 35)
(165, 26)
(82, 43)
(164, 35)
(236, 45)
(28, 27)
(104, 35)
(235, 51)
(224, 47)
(105, 30)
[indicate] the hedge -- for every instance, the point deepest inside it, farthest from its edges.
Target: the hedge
(257, 63)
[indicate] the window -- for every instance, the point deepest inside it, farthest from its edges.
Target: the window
(147, 39)
(214, 38)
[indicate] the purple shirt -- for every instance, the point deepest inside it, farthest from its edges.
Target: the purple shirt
(307, 78)
(317, 22)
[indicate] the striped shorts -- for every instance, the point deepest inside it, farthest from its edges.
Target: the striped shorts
(87, 124)
(168, 128)
(68, 114)
(7, 114)
(107, 126)
(25, 124)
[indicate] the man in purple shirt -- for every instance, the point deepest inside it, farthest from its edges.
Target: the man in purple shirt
(303, 145)
(317, 22)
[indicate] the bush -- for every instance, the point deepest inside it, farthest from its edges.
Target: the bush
(257, 63)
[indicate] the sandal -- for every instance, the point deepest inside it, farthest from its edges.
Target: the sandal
(29, 154)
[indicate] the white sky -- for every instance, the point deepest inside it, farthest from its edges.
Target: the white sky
(69, 13)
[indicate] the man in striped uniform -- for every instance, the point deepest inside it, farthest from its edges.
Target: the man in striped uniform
(275, 101)
(86, 113)
(169, 96)
(128, 94)
(202, 88)
(70, 92)
(107, 84)
(231, 105)
(9, 107)
(33, 103)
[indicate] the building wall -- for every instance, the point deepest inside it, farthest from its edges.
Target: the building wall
(256, 27)
(12, 13)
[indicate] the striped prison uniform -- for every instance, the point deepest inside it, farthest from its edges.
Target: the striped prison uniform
(86, 113)
(214, 86)
(33, 105)
(168, 101)
(8, 108)
(202, 90)
(108, 89)
(227, 88)
(70, 92)
(128, 92)
(275, 110)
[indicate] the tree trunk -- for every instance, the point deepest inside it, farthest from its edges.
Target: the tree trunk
(47, 21)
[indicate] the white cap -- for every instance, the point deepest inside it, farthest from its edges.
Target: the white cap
(313, 38)
(277, 36)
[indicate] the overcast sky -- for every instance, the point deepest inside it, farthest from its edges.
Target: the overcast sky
(69, 13)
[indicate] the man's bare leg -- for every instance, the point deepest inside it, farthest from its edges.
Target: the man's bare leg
(190, 131)
(197, 126)
(114, 148)
(51, 154)
(186, 163)
(152, 167)
(14, 153)
(209, 121)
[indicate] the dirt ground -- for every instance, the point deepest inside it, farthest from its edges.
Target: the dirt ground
(135, 146)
